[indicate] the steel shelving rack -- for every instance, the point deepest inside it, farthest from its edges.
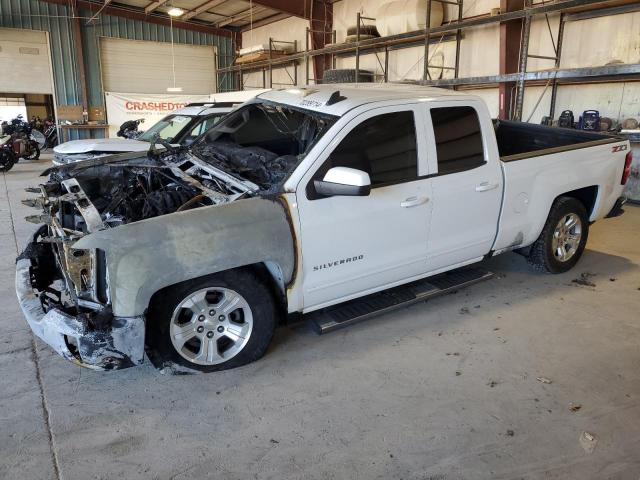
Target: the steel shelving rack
(569, 10)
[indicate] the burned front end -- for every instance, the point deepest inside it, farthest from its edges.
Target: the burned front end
(64, 291)
(117, 230)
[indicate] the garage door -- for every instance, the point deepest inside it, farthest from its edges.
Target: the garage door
(133, 66)
(25, 53)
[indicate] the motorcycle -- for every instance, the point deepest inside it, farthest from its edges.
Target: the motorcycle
(26, 146)
(50, 134)
(7, 155)
(129, 129)
(25, 142)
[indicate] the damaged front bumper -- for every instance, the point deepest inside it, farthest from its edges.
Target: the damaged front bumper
(120, 344)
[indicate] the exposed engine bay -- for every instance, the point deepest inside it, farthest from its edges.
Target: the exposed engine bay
(112, 192)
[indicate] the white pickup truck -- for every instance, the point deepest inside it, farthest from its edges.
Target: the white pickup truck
(336, 201)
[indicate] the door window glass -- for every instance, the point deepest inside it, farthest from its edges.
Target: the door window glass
(458, 139)
(384, 146)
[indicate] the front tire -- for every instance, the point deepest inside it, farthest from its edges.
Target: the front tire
(7, 159)
(214, 323)
(563, 238)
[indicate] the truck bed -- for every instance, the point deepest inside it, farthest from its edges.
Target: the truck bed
(519, 140)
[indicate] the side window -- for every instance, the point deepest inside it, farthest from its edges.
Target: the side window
(383, 146)
(458, 139)
(204, 125)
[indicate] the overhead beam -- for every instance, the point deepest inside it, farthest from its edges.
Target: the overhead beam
(240, 16)
(202, 8)
(141, 16)
(153, 5)
(95, 15)
(296, 8)
(265, 21)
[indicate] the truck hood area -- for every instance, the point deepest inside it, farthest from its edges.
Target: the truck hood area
(100, 145)
(107, 192)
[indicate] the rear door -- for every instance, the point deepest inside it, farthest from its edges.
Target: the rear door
(467, 188)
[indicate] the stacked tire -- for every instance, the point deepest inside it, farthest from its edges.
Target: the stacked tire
(347, 75)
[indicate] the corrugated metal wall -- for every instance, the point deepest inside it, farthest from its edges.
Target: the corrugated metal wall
(119, 27)
(34, 15)
(37, 15)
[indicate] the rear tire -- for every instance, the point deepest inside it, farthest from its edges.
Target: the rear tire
(370, 30)
(563, 238)
(213, 323)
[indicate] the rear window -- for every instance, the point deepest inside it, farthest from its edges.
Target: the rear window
(458, 139)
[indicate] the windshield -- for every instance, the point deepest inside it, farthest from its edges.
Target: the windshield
(262, 142)
(202, 126)
(168, 128)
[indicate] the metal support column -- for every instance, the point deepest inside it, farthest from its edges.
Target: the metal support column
(522, 68)
(270, 63)
(458, 41)
(427, 35)
(306, 57)
(554, 86)
(358, 48)
(386, 63)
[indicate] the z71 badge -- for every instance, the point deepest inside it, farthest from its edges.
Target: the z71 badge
(618, 148)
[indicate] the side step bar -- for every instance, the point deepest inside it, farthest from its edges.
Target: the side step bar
(354, 311)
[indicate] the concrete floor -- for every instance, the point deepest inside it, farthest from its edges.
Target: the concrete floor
(441, 390)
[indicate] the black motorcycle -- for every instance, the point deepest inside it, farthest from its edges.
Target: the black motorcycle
(7, 156)
(129, 129)
(50, 133)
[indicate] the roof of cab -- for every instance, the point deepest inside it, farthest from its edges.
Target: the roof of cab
(347, 96)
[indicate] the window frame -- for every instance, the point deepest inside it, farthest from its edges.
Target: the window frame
(433, 151)
(419, 117)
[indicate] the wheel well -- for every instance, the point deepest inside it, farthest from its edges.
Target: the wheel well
(587, 196)
(271, 274)
(267, 273)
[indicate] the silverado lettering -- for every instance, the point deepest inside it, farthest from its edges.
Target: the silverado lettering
(337, 262)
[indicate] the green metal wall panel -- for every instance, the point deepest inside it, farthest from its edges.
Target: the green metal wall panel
(38, 15)
(35, 15)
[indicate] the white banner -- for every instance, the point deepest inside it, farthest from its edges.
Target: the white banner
(152, 107)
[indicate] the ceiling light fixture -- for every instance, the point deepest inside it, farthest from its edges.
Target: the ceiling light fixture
(176, 12)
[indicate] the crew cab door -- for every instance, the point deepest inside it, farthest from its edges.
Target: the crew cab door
(353, 245)
(467, 188)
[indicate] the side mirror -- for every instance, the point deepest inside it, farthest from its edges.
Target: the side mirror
(344, 181)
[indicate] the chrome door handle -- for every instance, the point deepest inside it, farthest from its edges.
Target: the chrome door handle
(486, 186)
(414, 201)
